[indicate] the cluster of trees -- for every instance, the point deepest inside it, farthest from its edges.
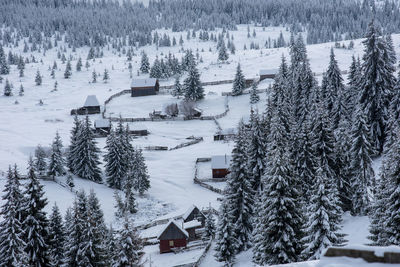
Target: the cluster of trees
(130, 23)
(29, 237)
(308, 159)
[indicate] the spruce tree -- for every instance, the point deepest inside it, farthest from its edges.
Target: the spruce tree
(239, 82)
(254, 97)
(72, 149)
(11, 233)
(68, 70)
(156, 70)
(57, 162)
(280, 220)
(38, 78)
(209, 227)
(7, 89)
(94, 76)
(142, 178)
(144, 63)
(79, 65)
(239, 191)
(226, 244)
(177, 90)
(324, 217)
(40, 163)
(115, 167)
(86, 161)
(192, 87)
(106, 76)
(222, 52)
(35, 225)
(56, 238)
(361, 164)
(129, 246)
(21, 90)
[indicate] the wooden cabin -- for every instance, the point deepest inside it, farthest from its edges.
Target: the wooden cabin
(91, 106)
(172, 236)
(194, 213)
(268, 74)
(220, 166)
(144, 87)
(102, 126)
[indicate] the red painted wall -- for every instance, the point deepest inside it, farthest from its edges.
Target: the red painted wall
(164, 244)
(219, 173)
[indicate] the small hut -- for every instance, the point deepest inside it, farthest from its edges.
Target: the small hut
(268, 74)
(102, 126)
(91, 106)
(143, 87)
(220, 166)
(194, 213)
(191, 228)
(225, 134)
(172, 236)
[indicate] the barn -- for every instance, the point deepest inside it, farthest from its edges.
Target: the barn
(172, 236)
(220, 166)
(268, 74)
(144, 87)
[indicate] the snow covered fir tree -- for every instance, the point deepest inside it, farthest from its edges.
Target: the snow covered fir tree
(276, 122)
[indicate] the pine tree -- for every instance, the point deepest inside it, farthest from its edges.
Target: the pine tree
(86, 162)
(21, 66)
(57, 162)
(192, 87)
(40, 163)
(7, 89)
(21, 90)
(94, 76)
(256, 150)
(4, 67)
(254, 97)
(209, 227)
(280, 220)
(79, 65)
(56, 238)
(222, 53)
(72, 149)
(35, 225)
(142, 178)
(376, 85)
(115, 167)
(38, 78)
(11, 233)
(129, 246)
(156, 70)
(144, 63)
(239, 82)
(361, 164)
(106, 76)
(324, 217)
(226, 245)
(177, 91)
(68, 70)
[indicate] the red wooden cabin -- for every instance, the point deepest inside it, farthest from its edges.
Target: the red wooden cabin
(172, 236)
(220, 166)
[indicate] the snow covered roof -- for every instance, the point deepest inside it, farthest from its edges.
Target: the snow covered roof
(143, 82)
(187, 213)
(192, 224)
(220, 162)
(102, 123)
(168, 224)
(268, 72)
(91, 101)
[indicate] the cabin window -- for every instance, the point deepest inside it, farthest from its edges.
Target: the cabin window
(171, 243)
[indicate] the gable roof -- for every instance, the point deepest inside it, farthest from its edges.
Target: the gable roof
(143, 82)
(268, 71)
(188, 212)
(192, 224)
(91, 101)
(172, 222)
(220, 162)
(102, 123)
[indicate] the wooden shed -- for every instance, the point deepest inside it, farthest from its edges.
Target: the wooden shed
(268, 74)
(191, 227)
(194, 213)
(220, 166)
(144, 87)
(91, 106)
(102, 126)
(172, 236)
(225, 134)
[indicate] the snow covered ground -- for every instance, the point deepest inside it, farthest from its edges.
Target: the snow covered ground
(25, 125)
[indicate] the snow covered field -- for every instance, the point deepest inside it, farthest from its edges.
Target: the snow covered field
(25, 125)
